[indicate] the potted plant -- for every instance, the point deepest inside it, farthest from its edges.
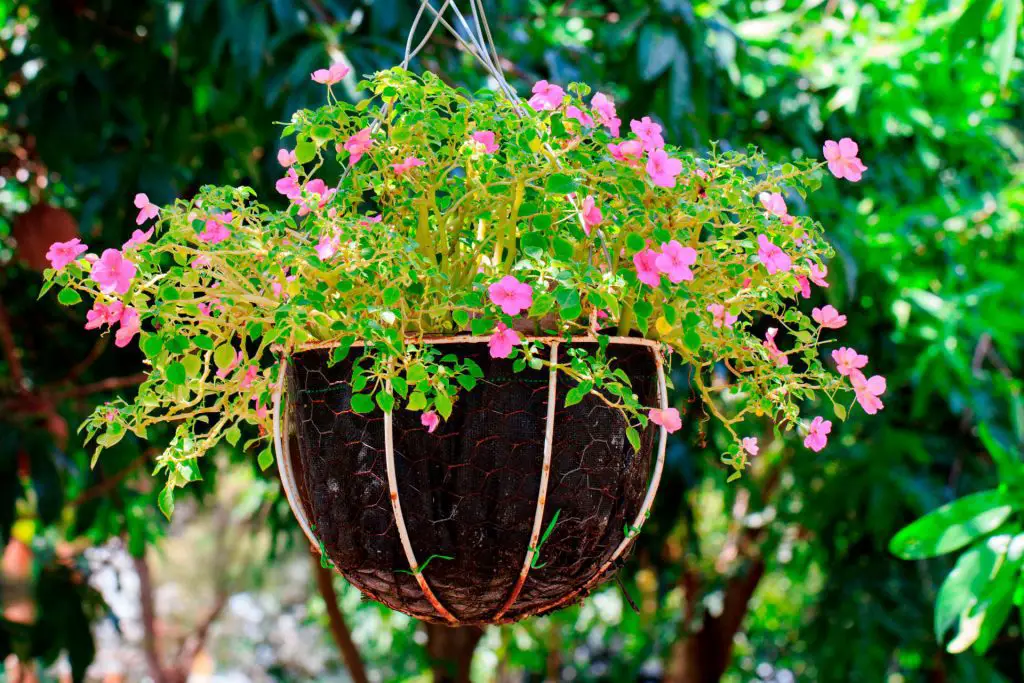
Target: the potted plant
(469, 304)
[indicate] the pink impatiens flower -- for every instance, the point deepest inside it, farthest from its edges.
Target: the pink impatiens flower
(61, 254)
(137, 239)
(407, 165)
(358, 145)
(818, 275)
(720, 316)
(591, 215)
(251, 373)
(430, 420)
(146, 208)
(546, 96)
(802, 286)
(130, 327)
(774, 259)
(750, 445)
(317, 195)
(828, 316)
(778, 357)
(216, 229)
(668, 418)
(649, 133)
(842, 159)
(574, 112)
(327, 247)
(604, 107)
(286, 157)
(113, 272)
(485, 138)
(370, 220)
(663, 169)
(502, 341)
(646, 263)
(289, 185)
(868, 390)
(775, 204)
(675, 261)
(331, 75)
(817, 434)
(848, 361)
(630, 151)
(512, 295)
(103, 314)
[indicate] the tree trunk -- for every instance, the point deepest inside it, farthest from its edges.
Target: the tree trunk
(339, 628)
(450, 651)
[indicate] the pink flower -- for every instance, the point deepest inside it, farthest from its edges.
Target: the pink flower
(103, 314)
(778, 357)
(750, 445)
(409, 163)
(848, 361)
(646, 264)
(720, 316)
(430, 420)
(817, 434)
(574, 112)
(774, 203)
(216, 229)
(606, 114)
(286, 157)
(331, 75)
(113, 272)
(289, 185)
(868, 391)
(370, 220)
(591, 215)
(675, 261)
(261, 410)
(649, 133)
(546, 96)
(842, 159)
(668, 418)
(225, 371)
(61, 254)
(486, 139)
(327, 247)
(774, 259)
(317, 194)
(502, 341)
(512, 295)
(130, 327)
(358, 145)
(201, 261)
(251, 373)
(137, 239)
(630, 151)
(818, 275)
(828, 316)
(663, 169)
(146, 209)
(802, 286)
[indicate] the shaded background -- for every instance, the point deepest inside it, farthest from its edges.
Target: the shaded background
(783, 576)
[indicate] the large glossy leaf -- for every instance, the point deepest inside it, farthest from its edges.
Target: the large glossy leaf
(952, 526)
(657, 49)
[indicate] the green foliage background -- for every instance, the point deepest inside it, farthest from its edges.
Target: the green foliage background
(788, 567)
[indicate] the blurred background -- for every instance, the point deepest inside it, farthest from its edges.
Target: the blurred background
(780, 577)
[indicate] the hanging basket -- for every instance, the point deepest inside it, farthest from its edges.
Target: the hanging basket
(516, 505)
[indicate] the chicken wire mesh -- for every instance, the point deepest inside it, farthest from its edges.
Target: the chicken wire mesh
(469, 491)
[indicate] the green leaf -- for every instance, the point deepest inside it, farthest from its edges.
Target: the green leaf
(391, 296)
(265, 459)
(203, 342)
(692, 340)
(385, 400)
(574, 396)
(634, 243)
(361, 403)
(176, 374)
(305, 150)
(952, 526)
(1004, 48)
(560, 183)
(69, 297)
(658, 45)
(417, 401)
(443, 405)
(224, 356)
(461, 318)
(192, 364)
(634, 438)
(232, 435)
(152, 345)
(563, 249)
(165, 501)
(968, 26)
(481, 326)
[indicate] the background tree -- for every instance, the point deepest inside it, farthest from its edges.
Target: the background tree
(783, 574)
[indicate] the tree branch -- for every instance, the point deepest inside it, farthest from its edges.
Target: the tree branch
(339, 629)
(149, 642)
